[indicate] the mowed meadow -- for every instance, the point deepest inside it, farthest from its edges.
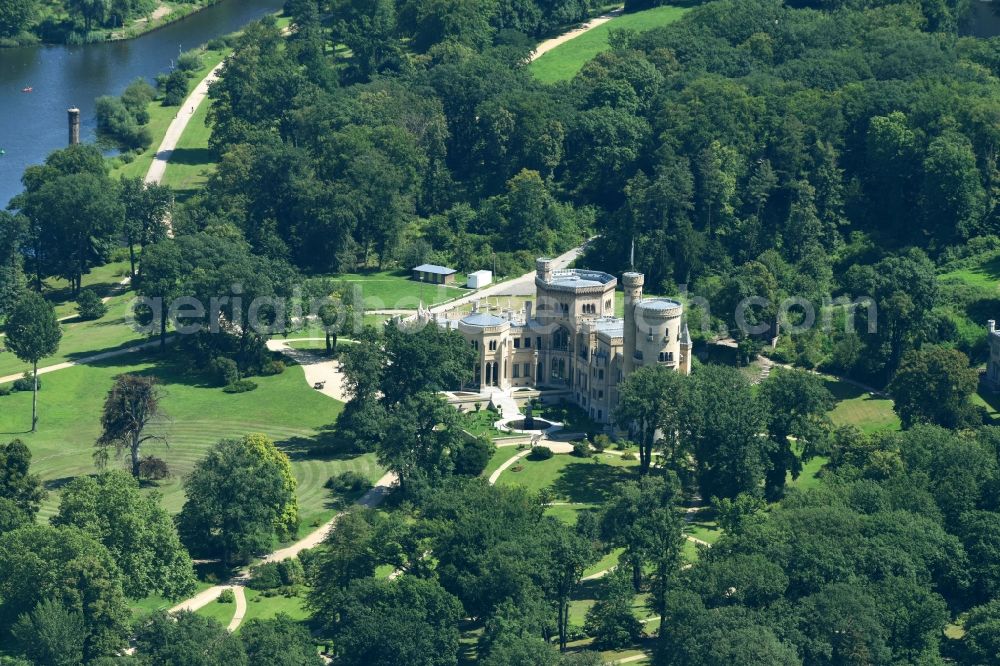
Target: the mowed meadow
(197, 416)
(563, 62)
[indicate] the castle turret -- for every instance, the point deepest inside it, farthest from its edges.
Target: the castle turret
(632, 286)
(543, 269)
(687, 348)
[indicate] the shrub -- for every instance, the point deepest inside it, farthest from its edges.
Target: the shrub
(600, 443)
(136, 99)
(241, 386)
(216, 44)
(474, 456)
(25, 383)
(189, 61)
(175, 88)
(224, 370)
(272, 368)
(348, 482)
(581, 449)
(291, 572)
(89, 305)
(266, 576)
(628, 455)
(227, 596)
(5, 390)
(153, 468)
(115, 121)
(540, 453)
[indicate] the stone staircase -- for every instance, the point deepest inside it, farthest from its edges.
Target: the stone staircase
(505, 404)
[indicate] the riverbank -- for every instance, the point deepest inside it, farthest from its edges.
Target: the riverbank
(57, 27)
(161, 116)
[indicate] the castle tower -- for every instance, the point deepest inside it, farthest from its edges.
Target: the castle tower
(74, 125)
(687, 348)
(543, 269)
(632, 286)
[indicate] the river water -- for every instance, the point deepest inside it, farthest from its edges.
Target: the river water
(34, 124)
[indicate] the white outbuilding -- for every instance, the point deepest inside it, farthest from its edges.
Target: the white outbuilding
(479, 279)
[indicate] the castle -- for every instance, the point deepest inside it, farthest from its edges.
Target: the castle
(572, 340)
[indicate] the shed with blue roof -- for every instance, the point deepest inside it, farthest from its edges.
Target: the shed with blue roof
(434, 274)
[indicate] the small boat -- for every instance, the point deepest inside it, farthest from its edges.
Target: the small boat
(27, 89)
(2, 152)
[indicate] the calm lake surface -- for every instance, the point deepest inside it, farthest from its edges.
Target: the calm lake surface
(34, 124)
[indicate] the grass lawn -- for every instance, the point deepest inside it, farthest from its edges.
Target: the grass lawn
(155, 602)
(809, 477)
(707, 531)
(85, 338)
(689, 551)
(607, 562)
(481, 423)
(564, 61)
(985, 273)
(221, 613)
(571, 479)
(260, 607)
(857, 407)
(160, 118)
(283, 407)
(394, 290)
(501, 456)
(568, 513)
(192, 162)
(102, 279)
(990, 401)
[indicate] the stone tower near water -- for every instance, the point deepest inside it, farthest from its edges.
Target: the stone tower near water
(74, 126)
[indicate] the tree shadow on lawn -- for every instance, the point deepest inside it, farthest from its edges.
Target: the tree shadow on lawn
(588, 482)
(192, 156)
(60, 295)
(167, 367)
(323, 446)
(842, 390)
(53, 485)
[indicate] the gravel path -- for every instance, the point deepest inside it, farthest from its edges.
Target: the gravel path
(178, 125)
(550, 44)
(241, 608)
(318, 369)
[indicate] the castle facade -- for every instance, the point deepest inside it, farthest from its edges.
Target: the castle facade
(571, 339)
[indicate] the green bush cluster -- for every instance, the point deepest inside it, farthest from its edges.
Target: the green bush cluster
(348, 481)
(540, 453)
(240, 386)
(274, 575)
(90, 306)
(123, 119)
(25, 383)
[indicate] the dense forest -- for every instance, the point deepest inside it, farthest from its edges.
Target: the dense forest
(753, 148)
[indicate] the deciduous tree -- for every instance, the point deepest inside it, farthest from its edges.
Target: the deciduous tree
(935, 385)
(132, 404)
(32, 334)
(138, 533)
(236, 496)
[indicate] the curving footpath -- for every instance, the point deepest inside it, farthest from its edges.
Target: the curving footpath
(316, 369)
